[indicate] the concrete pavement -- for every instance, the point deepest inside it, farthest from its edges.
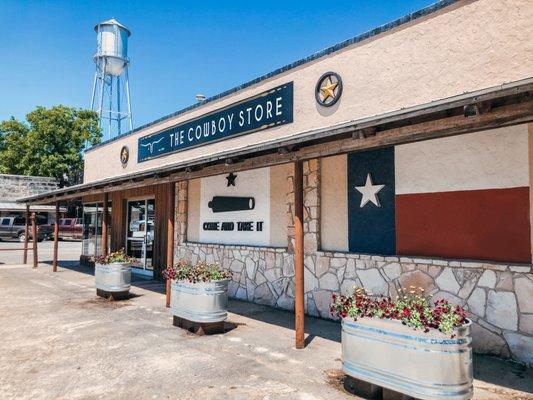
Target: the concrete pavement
(67, 251)
(59, 341)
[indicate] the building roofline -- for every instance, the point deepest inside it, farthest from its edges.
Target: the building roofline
(512, 88)
(319, 54)
(44, 178)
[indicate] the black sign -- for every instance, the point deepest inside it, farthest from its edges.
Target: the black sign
(265, 110)
(231, 203)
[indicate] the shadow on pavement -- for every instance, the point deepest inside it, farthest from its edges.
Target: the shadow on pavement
(492, 370)
(505, 373)
(141, 281)
(314, 327)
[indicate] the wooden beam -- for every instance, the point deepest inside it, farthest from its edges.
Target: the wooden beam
(299, 311)
(34, 239)
(56, 239)
(170, 234)
(495, 118)
(26, 234)
(105, 223)
(444, 127)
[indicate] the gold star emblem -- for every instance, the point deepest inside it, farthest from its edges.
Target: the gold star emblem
(124, 155)
(328, 90)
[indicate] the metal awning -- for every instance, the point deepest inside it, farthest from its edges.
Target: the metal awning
(287, 148)
(19, 207)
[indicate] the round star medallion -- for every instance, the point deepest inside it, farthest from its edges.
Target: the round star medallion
(328, 89)
(124, 155)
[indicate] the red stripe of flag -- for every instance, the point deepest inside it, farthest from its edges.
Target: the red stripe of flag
(490, 224)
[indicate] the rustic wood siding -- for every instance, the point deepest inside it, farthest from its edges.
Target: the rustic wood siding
(119, 201)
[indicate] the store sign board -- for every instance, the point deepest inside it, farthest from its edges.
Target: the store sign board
(263, 111)
(237, 214)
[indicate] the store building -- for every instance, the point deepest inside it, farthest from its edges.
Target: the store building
(408, 150)
(13, 187)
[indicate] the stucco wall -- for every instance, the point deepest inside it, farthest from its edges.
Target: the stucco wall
(193, 215)
(484, 175)
(277, 207)
(489, 159)
(334, 198)
(465, 47)
(497, 296)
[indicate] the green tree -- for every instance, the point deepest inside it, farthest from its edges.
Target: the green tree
(49, 143)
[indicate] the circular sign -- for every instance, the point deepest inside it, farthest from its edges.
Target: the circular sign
(124, 155)
(328, 89)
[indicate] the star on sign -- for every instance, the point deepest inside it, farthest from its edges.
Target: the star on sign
(231, 179)
(328, 90)
(369, 192)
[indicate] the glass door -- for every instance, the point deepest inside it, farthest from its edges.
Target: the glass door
(140, 234)
(90, 228)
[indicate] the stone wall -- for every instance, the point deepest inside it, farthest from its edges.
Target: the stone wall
(498, 297)
(13, 187)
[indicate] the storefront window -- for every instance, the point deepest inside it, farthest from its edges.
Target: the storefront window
(92, 229)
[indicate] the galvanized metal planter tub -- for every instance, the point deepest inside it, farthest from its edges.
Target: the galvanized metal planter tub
(200, 302)
(113, 278)
(422, 365)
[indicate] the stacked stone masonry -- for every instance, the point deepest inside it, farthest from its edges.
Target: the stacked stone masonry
(497, 297)
(13, 187)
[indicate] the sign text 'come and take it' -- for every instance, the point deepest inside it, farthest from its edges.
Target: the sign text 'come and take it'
(265, 110)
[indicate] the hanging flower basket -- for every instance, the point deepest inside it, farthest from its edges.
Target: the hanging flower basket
(198, 293)
(407, 345)
(112, 274)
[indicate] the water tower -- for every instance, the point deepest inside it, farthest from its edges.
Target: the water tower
(111, 90)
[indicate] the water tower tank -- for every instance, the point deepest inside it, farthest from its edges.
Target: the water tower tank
(112, 46)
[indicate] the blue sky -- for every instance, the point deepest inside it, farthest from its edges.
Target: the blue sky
(177, 48)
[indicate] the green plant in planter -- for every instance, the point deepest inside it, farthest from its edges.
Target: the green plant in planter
(115, 257)
(201, 272)
(412, 307)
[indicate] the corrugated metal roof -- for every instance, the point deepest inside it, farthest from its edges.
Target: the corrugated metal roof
(8, 206)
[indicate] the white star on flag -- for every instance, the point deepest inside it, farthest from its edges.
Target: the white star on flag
(369, 192)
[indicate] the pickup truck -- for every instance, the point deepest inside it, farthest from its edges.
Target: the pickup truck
(12, 228)
(70, 228)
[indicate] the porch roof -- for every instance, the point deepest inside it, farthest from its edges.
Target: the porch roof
(18, 207)
(497, 106)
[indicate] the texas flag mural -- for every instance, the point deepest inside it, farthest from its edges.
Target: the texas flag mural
(463, 197)
(371, 202)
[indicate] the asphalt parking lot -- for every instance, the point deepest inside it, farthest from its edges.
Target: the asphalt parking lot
(59, 341)
(68, 251)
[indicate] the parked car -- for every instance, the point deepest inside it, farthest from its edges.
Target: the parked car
(12, 228)
(69, 228)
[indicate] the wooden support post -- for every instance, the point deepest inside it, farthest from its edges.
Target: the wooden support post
(105, 223)
(34, 239)
(56, 238)
(26, 234)
(170, 234)
(168, 283)
(299, 256)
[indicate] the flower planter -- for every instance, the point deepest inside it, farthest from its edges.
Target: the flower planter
(428, 365)
(203, 302)
(112, 280)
